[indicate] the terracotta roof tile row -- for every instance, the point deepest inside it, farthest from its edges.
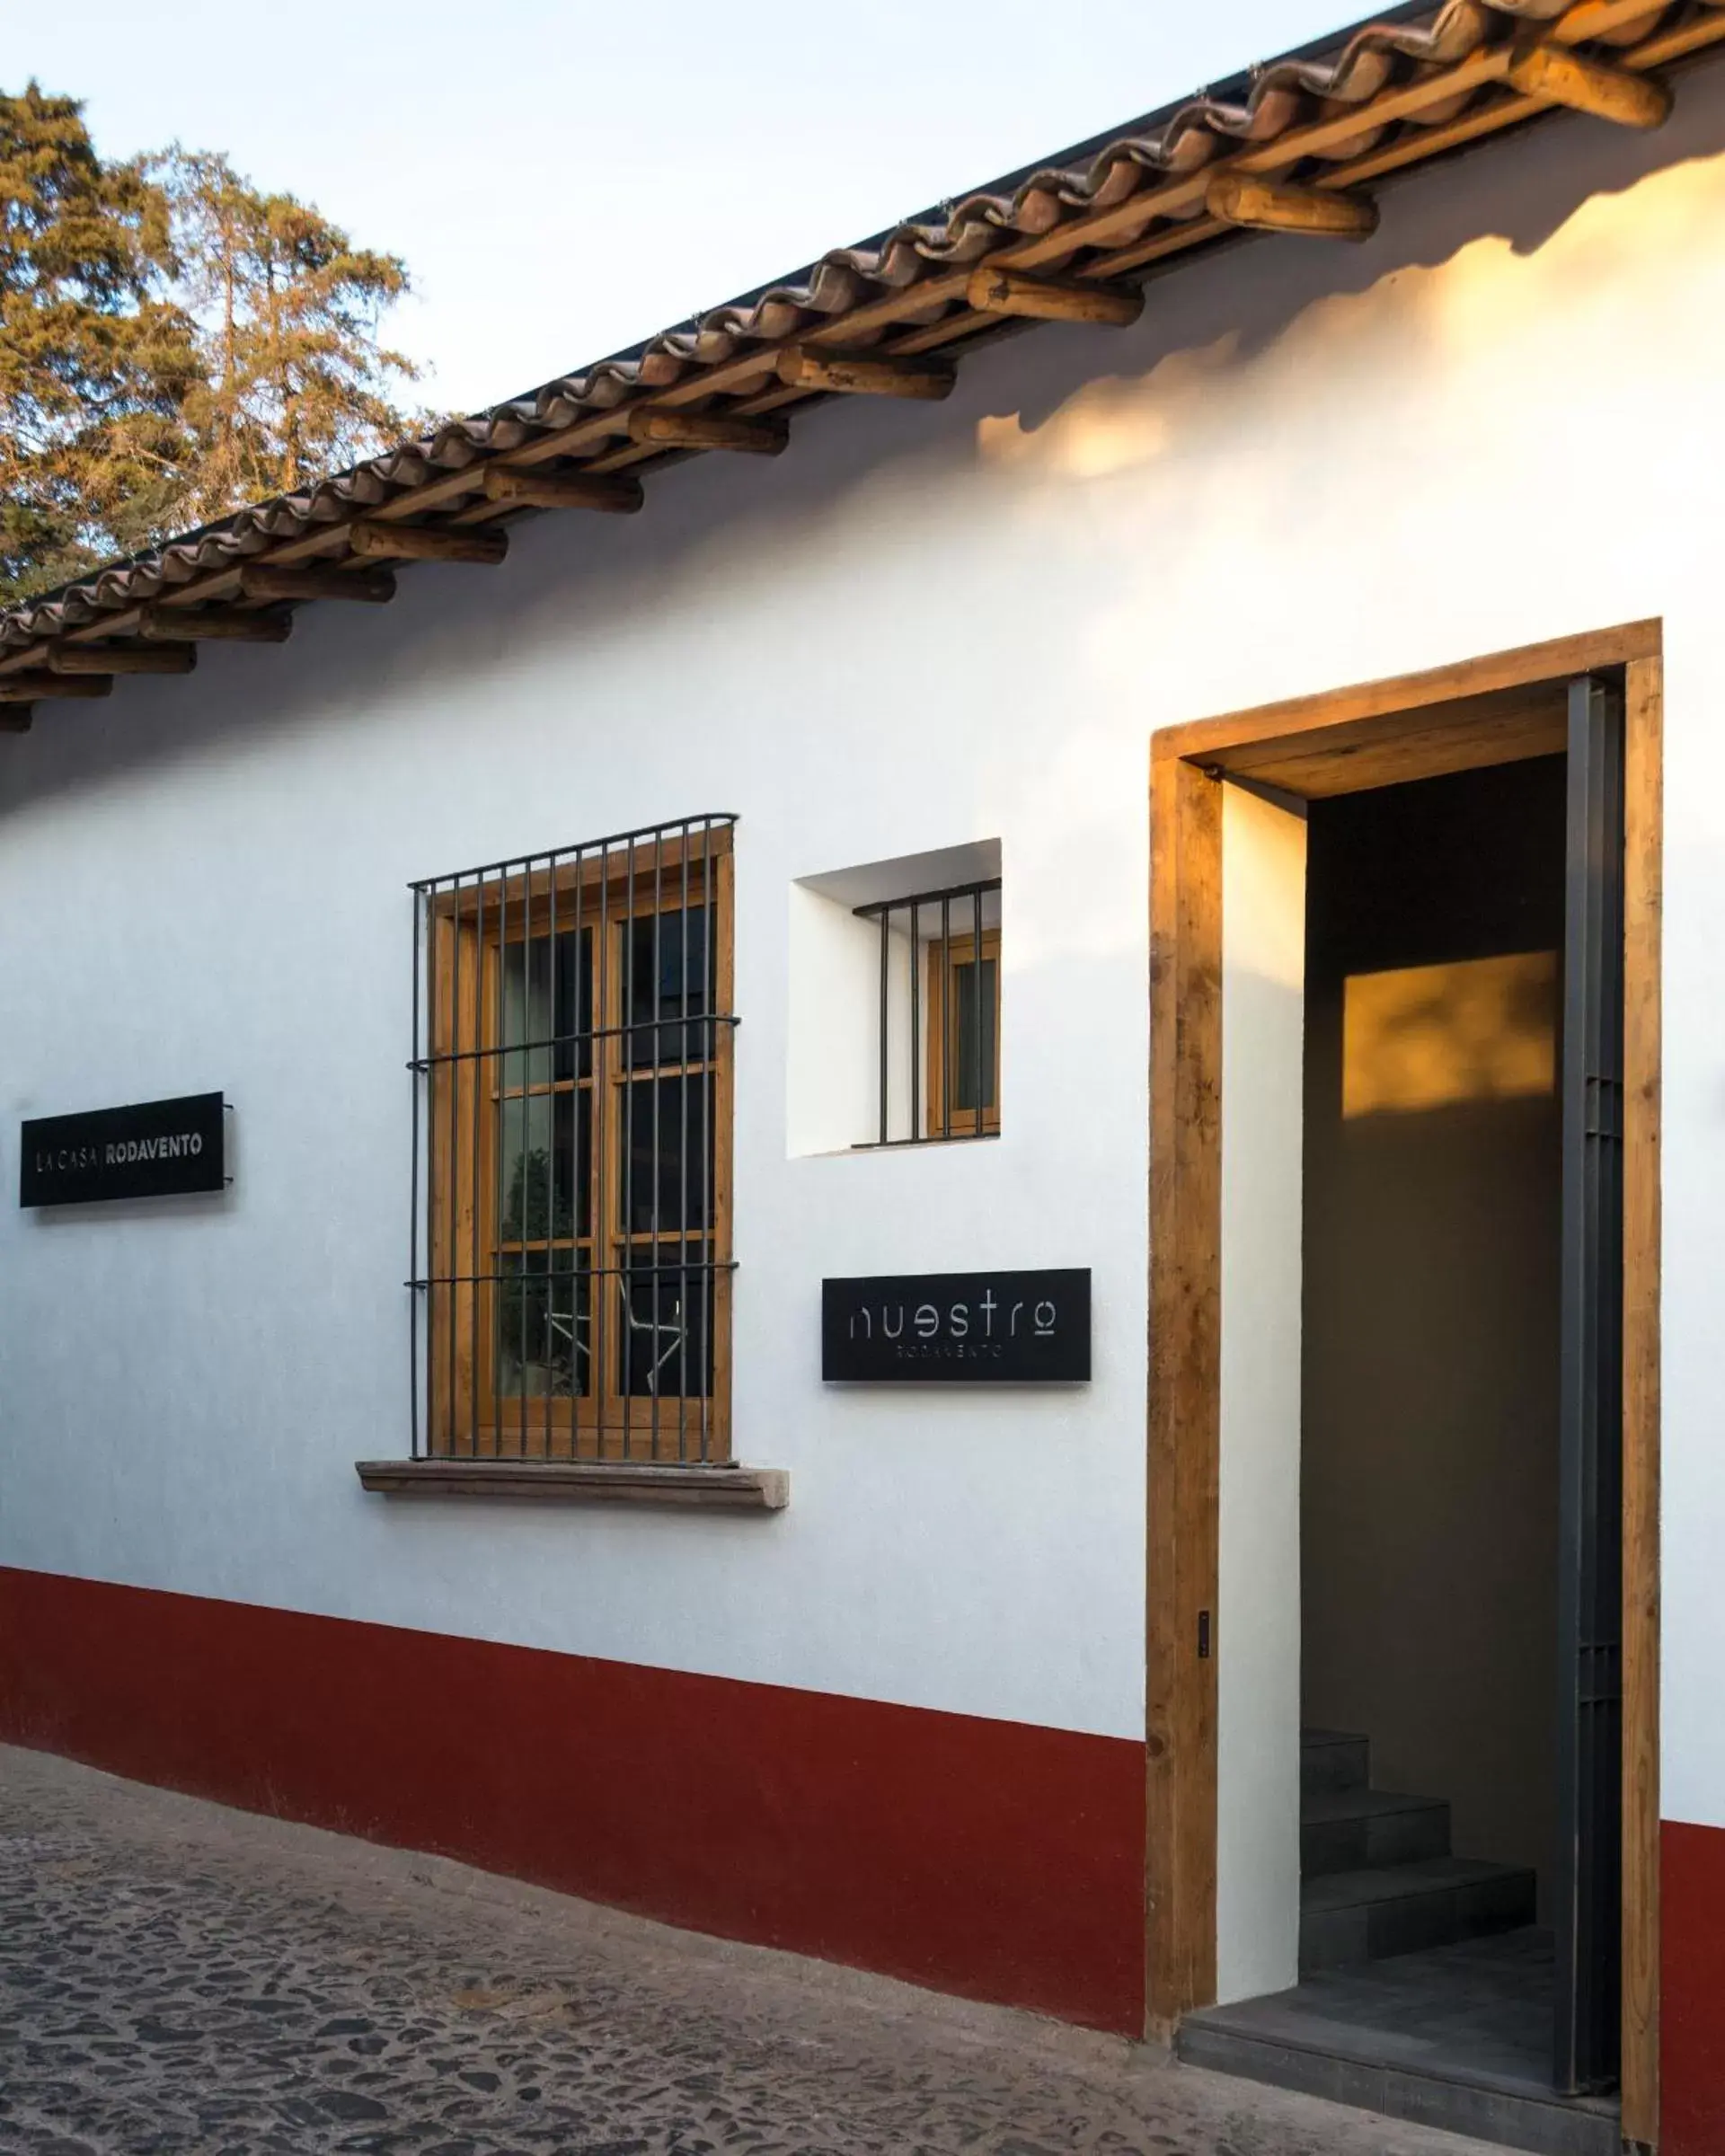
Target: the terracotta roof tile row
(1385, 96)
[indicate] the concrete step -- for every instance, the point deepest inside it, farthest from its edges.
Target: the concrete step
(1458, 2039)
(1368, 1915)
(1332, 1759)
(1358, 1830)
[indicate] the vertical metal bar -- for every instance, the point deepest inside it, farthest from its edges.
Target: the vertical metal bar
(494, 1073)
(554, 1032)
(915, 1032)
(886, 940)
(476, 1067)
(709, 1079)
(524, 1293)
(976, 975)
(583, 1046)
(657, 1171)
(454, 1031)
(684, 1315)
(626, 1042)
(949, 1028)
(604, 1049)
(413, 1271)
(1587, 1911)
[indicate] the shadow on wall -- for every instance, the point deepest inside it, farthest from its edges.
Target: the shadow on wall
(1296, 318)
(1236, 307)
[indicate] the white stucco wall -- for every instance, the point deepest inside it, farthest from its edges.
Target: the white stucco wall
(1498, 421)
(1257, 1568)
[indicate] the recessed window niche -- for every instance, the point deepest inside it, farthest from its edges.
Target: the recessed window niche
(894, 1032)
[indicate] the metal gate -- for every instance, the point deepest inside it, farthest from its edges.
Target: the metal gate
(1589, 1872)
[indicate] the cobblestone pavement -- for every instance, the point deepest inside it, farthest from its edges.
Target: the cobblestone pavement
(187, 1981)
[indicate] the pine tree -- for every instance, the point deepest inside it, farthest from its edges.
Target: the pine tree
(294, 381)
(96, 360)
(174, 342)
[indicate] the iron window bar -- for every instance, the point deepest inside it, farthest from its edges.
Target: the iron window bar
(933, 1010)
(571, 1263)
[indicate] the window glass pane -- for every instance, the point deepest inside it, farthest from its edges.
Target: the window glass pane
(545, 1187)
(668, 977)
(547, 1003)
(545, 1322)
(666, 1297)
(966, 1063)
(665, 1155)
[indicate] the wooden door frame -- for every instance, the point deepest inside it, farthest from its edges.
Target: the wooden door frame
(1453, 717)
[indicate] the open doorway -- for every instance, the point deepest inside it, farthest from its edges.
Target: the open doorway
(1430, 1426)
(1467, 1699)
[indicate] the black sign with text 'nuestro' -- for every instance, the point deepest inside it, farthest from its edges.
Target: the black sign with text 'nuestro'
(1023, 1328)
(156, 1149)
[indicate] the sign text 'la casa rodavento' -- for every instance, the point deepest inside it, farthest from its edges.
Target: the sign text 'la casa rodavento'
(155, 1149)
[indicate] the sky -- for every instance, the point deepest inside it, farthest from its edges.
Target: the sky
(564, 180)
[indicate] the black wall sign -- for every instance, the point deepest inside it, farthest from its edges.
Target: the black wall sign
(957, 1328)
(158, 1149)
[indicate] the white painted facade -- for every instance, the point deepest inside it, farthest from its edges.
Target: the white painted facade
(922, 628)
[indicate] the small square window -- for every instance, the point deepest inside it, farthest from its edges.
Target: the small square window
(895, 1029)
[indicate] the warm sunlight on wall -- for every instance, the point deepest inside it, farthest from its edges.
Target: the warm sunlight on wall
(1422, 1037)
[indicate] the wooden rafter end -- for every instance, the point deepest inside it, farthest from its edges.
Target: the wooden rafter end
(24, 688)
(1276, 206)
(652, 429)
(227, 624)
(291, 582)
(1585, 84)
(121, 659)
(561, 490)
(854, 374)
(997, 290)
(375, 540)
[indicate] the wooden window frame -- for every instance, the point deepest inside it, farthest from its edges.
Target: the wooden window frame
(945, 959)
(1481, 712)
(468, 1416)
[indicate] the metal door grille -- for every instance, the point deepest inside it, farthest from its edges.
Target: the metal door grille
(572, 1073)
(1589, 1884)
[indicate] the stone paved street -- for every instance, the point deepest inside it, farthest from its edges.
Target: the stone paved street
(181, 1979)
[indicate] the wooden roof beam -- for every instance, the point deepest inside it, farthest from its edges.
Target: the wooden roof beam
(997, 290)
(1585, 84)
(559, 490)
(653, 429)
(1276, 206)
(426, 542)
(856, 374)
(121, 659)
(23, 688)
(294, 581)
(226, 624)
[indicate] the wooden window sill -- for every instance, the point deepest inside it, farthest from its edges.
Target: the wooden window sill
(715, 1488)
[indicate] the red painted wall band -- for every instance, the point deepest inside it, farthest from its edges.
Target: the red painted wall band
(1692, 1990)
(994, 1859)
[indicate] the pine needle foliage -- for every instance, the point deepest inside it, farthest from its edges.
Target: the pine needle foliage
(295, 382)
(96, 360)
(174, 342)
